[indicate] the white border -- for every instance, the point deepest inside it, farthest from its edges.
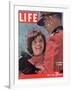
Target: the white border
(14, 7)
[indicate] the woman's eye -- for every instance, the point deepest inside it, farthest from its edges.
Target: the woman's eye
(34, 42)
(41, 40)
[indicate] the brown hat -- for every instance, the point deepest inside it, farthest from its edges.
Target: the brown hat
(43, 14)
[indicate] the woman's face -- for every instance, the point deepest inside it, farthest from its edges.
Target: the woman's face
(38, 45)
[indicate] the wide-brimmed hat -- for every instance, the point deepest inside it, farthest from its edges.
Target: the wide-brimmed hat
(43, 14)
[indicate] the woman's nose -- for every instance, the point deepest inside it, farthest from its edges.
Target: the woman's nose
(38, 43)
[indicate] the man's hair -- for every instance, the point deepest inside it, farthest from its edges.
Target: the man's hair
(31, 36)
(58, 15)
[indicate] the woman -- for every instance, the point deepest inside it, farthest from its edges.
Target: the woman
(36, 47)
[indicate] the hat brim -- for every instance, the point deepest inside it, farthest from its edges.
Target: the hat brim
(41, 22)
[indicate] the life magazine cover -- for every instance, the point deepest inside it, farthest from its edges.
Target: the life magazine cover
(40, 44)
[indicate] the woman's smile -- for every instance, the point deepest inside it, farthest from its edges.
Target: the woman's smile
(38, 45)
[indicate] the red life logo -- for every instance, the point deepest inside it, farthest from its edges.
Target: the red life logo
(28, 17)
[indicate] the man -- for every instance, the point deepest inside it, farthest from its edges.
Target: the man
(53, 61)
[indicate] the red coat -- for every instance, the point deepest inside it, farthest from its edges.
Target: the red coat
(53, 60)
(37, 60)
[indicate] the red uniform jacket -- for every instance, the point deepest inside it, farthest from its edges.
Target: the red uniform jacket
(53, 60)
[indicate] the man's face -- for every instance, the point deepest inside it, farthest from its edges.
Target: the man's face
(38, 45)
(51, 22)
